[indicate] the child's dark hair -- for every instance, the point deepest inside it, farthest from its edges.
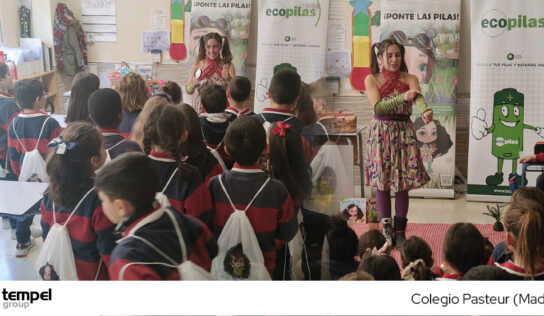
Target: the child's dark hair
(285, 86)
(104, 108)
(486, 273)
(27, 91)
(379, 48)
(245, 140)
(524, 222)
(381, 267)
(173, 90)
(69, 172)
(133, 177)
(213, 98)
(443, 140)
(239, 88)
(415, 248)
(4, 69)
(345, 212)
(165, 127)
(369, 240)
(464, 247)
(288, 162)
(342, 240)
(223, 41)
(83, 85)
(194, 145)
(304, 109)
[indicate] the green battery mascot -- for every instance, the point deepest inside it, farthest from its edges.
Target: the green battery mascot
(506, 131)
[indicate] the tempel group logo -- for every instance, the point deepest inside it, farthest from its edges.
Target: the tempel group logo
(23, 299)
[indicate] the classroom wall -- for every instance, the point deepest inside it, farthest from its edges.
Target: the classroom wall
(10, 22)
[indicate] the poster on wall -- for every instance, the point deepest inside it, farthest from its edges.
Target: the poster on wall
(229, 18)
(429, 31)
(284, 42)
(507, 76)
(98, 20)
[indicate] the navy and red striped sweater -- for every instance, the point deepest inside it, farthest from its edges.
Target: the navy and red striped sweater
(116, 144)
(271, 214)
(8, 111)
(28, 126)
(187, 193)
(160, 232)
(91, 232)
(206, 163)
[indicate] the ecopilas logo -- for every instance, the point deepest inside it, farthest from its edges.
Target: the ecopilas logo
(23, 299)
(277, 11)
(494, 22)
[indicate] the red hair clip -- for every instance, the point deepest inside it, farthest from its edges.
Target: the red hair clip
(281, 129)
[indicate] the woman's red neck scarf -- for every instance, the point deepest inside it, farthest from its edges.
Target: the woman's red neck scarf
(392, 81)
(213, 66)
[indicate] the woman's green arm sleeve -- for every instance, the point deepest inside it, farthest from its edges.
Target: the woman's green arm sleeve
(420, 103)
(387, 106)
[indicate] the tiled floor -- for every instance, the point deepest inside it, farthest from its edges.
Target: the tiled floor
(421, 211)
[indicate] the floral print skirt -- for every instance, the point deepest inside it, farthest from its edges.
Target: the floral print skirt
(393, 161)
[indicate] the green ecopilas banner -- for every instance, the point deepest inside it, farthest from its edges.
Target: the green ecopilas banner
(292, 34)
(507, 80)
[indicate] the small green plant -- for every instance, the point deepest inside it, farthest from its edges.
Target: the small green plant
(496, 213)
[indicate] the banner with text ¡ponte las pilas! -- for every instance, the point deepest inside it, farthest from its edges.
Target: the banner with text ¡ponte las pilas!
(293, 35)
(429, 31)
(506, 93)
(229, 18)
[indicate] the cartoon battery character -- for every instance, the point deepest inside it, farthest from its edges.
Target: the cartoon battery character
(506, 131)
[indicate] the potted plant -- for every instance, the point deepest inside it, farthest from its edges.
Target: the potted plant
(496, 213)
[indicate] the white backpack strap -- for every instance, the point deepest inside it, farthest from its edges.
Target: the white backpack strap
(287, 119)
(41, 132)
(17, 136)
(264, 118)
(98, 270)
(124, 268)
(75, 208)
(180, 235)
(169, 180)
(324, 129)
(160, 252)
(112, 147)
(253, 199)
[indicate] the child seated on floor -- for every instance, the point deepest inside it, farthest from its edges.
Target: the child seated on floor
(523, 223)
(105, 110)
(381, 267)
(417, 259)
(463, 248)
(214, 121)
(501, 253)
(266, 201)
(370, 241)
(151, 245)
(343, 244)
(238, 92)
